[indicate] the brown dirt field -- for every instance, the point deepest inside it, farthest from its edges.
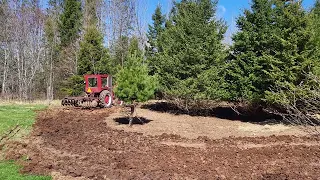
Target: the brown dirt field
(194, 126)
(80, 144)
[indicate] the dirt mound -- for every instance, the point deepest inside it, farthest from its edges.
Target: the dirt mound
(78, 143)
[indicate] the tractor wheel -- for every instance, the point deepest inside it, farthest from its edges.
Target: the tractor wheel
(105, 98)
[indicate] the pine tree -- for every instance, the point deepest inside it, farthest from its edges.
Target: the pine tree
(70, 22)
(93, 56)
(154, 31)
(249, 44)
(315, 19)
(134, 84)
(273, 48)
(153, 34)
(70, 26)
(189, 46)
(134, 48)
(125, 47)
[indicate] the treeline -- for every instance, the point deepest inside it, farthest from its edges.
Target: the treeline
(274, 58)
(273, 61)
(45, 52)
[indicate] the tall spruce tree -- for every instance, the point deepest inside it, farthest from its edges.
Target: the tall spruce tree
(315, 18)
(70, 26)
(273, 48)
(93, 56)
(155, 30)
(70, 22)
(153, 33)
(191, 45)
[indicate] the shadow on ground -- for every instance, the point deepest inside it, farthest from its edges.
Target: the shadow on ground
(136, 120)
(257, 117)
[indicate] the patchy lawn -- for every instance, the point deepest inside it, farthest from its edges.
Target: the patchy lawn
(21, 115)
(16, 122)
(9, 170)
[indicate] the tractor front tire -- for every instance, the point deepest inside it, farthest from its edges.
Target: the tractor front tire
(105, 99)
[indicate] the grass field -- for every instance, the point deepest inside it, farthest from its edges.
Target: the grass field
(21, 115)
(10, 171)
(12, 115)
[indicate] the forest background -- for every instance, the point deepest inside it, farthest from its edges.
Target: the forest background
(270, 58)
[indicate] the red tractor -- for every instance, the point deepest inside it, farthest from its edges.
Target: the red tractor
(99, 93)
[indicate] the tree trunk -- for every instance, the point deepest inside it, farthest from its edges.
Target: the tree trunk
(3, 90)
(131, 116)
(50, 83)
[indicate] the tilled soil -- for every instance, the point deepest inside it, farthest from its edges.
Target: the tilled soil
(191, 127)
(79, 143)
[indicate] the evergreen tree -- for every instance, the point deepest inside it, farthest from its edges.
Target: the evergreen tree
(153, 33)
(120, 50)
(249, 44)
(189, 46)
(155, 30)
(124, 47)
(70, 22)
(134, 84)
(73, 86)
(134, 48)
(93, 56)
(273, 48)
(315, 19)
(70, 26)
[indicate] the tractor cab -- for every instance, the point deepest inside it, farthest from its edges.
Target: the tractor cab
(96, 83)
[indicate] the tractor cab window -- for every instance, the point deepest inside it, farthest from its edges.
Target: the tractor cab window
(92, 82)
(104, 82)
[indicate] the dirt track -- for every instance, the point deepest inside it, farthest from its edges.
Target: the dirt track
(79, 143)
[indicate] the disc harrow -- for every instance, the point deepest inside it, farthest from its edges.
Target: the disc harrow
(80, 102)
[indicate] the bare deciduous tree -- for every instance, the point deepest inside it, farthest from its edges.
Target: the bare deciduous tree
(23, 48)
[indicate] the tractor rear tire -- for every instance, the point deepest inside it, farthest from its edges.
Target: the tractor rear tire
(105, 99)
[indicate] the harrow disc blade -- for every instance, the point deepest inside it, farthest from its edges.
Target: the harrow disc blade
(80, 102)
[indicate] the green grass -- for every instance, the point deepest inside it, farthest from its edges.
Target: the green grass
(10, 171)
(10, 116)
(22, 115)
